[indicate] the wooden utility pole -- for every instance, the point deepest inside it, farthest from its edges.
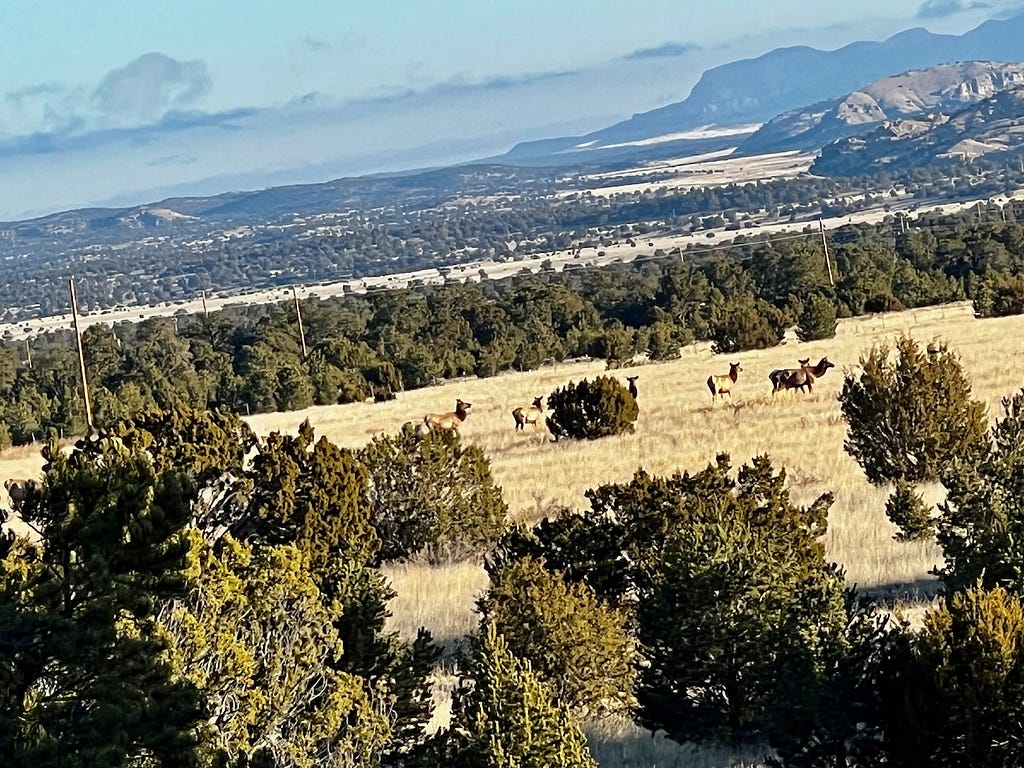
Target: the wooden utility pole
(28, 354)
(81, 356)
(206, 312)
(298, 314)
(828, 259)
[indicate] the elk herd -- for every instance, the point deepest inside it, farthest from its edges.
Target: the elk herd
(801, 379)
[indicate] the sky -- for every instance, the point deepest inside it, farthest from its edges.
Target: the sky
(114, 102)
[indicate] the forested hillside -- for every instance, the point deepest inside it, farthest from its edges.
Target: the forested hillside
(745, 296)
(360, 228)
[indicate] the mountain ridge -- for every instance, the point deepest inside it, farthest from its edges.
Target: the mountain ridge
(756, 89)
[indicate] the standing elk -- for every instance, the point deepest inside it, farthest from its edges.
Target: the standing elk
(447, 422)
(720, 384)
(804, 376)
(529, 414)
(780, 373)
(632, 385)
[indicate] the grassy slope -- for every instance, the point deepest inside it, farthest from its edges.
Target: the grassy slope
(678, 428)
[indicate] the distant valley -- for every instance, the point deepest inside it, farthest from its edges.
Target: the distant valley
(659, 175)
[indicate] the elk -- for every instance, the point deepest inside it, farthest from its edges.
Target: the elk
(632, 385)
(447, 422)
(804, 376)
(780, 373)
(720, 384)
(528, 414)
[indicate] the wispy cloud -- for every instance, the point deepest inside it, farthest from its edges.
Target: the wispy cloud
(937, 9)
(663, 50)
(315, 44)
(169, 160)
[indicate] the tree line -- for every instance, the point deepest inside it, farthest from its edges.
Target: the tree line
(250, 360)
(182, 604)
(358, 228)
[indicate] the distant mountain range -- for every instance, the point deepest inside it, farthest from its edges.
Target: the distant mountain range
(759, 104)
(991, 127)
(759, 89)
(946, 89)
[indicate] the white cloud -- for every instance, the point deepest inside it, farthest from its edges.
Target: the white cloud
(146, 89)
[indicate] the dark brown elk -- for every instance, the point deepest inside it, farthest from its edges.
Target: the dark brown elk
(447, 422)
(804, 376)
(632, 385)
(529, 414)
(780, 373)
(720, 384)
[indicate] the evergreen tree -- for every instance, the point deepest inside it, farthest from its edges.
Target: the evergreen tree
(911, 417)
(952, 694)
(817, 319)
(738, 615)
(508, 718)
(580, 647)
(83, 680)
(257, 638)
(591, 409)
(907, 511)
(429, 493)
(981, 522)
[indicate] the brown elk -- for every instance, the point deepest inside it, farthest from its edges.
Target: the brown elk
(720, 384)
(529, 414)
(632, 385)
(804, 376)
(780, 373)
(447, 422)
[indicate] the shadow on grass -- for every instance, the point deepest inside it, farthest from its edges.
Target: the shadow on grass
(922, 590)
(617, 743)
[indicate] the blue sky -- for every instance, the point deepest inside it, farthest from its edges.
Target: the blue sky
(121, 101)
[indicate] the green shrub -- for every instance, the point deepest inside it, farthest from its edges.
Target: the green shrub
(574, 642)
(910, 417)
(981, 522)
(817, 319)
(429, 493)
(742, 325)
(591, 409)
(508, 718)
(953, 693)
(908, 512)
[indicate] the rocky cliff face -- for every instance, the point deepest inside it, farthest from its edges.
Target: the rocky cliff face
(755, 90)
(992, 126)
(944, 89)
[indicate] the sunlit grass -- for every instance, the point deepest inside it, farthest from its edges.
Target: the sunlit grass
(678, 429)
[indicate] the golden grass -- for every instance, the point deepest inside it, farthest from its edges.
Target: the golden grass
(678, 429)
(681, 429)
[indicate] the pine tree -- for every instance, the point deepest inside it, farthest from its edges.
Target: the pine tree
(257, 638)
(83, 680)
(952, 694)
(591, 409)
(817, 319)
(981, 522)
(508, 718)
(429, 493)
(576, 644)
(911, 417)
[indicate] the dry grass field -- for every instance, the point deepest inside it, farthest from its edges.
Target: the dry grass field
(678, 429)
